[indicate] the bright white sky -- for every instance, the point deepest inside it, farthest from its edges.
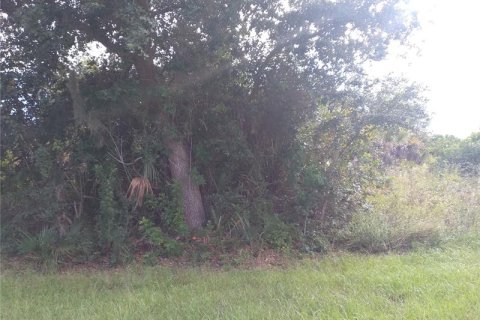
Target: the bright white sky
(448, 63)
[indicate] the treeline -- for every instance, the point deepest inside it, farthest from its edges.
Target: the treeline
(204, 123)
(462, 154)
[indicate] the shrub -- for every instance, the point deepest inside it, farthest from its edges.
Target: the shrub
(276, 233)
(158, 241)
(43, 249)
(112, 220)
(168, 206)
(315, 241)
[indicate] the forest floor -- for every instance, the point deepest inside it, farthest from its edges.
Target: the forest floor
(439, 283)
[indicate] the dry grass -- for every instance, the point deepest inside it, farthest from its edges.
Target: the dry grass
(417, 207)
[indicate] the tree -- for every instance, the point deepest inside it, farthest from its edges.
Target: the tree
(177, 69)
(463, 154)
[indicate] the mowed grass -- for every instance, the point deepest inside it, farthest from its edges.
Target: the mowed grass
(433, 284)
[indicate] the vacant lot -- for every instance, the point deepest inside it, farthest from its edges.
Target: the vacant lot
(437, 284)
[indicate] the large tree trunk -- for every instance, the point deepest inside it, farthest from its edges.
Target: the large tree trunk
(179, 160)
(181, 172)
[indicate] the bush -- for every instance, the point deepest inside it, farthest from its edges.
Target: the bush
(276, 233)
(43, 249)
(160, 244)
(113, 217)
(168, 207)
(315, 241)
(48, 249)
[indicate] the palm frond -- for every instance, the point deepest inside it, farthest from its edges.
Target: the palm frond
(139, 187)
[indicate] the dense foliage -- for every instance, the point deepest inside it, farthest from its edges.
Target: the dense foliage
(252, 119)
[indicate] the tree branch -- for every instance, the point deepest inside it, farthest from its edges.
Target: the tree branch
(275, 51)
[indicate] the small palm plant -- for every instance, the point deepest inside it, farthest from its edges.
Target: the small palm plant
(140, 186)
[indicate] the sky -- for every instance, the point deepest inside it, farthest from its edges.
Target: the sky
(447, 62)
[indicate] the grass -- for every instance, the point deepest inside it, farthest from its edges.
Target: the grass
(429, 284)
(418, 206)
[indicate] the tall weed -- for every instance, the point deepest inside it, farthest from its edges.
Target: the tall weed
(417, 206)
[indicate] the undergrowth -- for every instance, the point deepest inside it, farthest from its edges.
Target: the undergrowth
(417, 207)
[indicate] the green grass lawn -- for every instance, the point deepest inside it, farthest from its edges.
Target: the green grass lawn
(435, 284)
